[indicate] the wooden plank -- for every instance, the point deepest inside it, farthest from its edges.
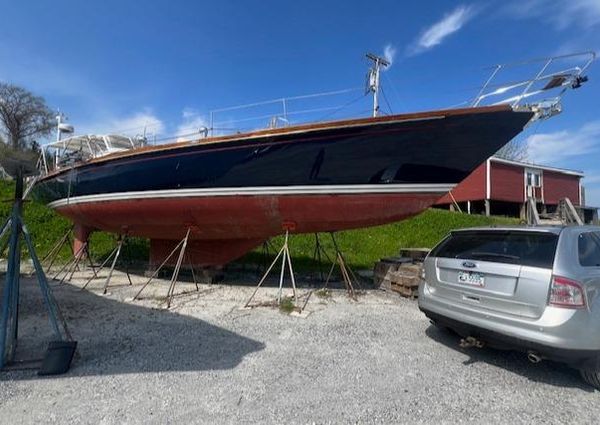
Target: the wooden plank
(406, 292)
(403, 278)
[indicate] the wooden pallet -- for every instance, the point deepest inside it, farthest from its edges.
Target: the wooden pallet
(399, 275)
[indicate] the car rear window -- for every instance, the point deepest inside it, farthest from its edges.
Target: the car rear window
(535, 249)
(589, 249)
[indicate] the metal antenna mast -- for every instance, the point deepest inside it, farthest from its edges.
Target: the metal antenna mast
(62, 127)
(373, 79)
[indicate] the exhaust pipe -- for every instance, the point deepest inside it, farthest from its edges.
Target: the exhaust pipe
(534, 357)
(470, 341)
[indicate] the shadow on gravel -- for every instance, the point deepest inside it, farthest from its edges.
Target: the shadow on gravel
(250, 275)
(546, 372)
(116, 338)
(242, 274)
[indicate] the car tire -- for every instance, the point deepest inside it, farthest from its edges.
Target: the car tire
(591, 377)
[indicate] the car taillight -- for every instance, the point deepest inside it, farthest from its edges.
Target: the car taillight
(566, 293)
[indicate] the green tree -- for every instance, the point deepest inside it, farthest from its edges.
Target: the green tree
(515, 150)
(23, 116)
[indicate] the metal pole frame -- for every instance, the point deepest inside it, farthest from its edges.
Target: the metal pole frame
(191, 266)
(177, 268)
(10, 301)
(114, 255)
(346, 273)
(266, 252)
(117, 250)
(52, 255)
(181, 246)
(318, 255)
(286, 259)
(54, 312)
(5, 227)
(71, 267)
(10, 298)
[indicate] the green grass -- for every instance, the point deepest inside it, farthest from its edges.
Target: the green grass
(361, 248)
(323, 293)
(47, 227)
(287, 305)
(43, 224)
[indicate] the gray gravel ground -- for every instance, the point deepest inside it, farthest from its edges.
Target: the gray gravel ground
(206, 360)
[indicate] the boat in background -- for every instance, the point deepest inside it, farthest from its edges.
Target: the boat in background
(233, 192)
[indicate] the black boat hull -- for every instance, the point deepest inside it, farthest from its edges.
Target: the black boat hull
(244, 190)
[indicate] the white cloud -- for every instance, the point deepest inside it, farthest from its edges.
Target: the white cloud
(389, 53)
(562, 14)
(557, 147)
(552, 148)
(191, 124)
(134, 124)
(129, 125)
(435, 34)
(137, 122)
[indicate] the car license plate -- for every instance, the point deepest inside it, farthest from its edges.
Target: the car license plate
(471, 278)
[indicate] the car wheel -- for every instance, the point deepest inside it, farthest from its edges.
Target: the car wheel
(591, 377)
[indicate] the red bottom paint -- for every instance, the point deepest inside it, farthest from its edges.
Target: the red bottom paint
(225, 228)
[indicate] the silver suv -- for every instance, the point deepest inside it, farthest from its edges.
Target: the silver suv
(531, 289)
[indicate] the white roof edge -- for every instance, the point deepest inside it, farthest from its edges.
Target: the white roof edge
(538, 166)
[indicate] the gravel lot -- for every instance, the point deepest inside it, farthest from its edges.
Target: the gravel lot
(206, 360)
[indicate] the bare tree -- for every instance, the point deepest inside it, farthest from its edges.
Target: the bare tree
(515, 150)
(23, 116)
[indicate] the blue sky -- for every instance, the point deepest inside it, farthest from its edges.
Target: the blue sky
(123, 65)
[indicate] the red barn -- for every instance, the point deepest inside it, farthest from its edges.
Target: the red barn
(500, 186)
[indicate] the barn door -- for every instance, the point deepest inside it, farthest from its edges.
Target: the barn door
(533, 185)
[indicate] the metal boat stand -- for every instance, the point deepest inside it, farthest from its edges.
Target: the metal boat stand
(181, 246)
(348, 276)
(60, 352)
(114, 255)
(286, 260)
(266, 249)
(71, 267)
(48, 261)
(318, 255)
(5, 228)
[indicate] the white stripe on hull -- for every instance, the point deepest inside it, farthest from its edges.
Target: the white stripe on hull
(364, 189)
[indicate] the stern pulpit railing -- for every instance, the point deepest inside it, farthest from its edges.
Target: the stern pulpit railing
(553, 76)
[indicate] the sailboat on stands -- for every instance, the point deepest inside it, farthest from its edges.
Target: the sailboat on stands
(235, 191)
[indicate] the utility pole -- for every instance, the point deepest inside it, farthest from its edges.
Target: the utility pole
(373, 79)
